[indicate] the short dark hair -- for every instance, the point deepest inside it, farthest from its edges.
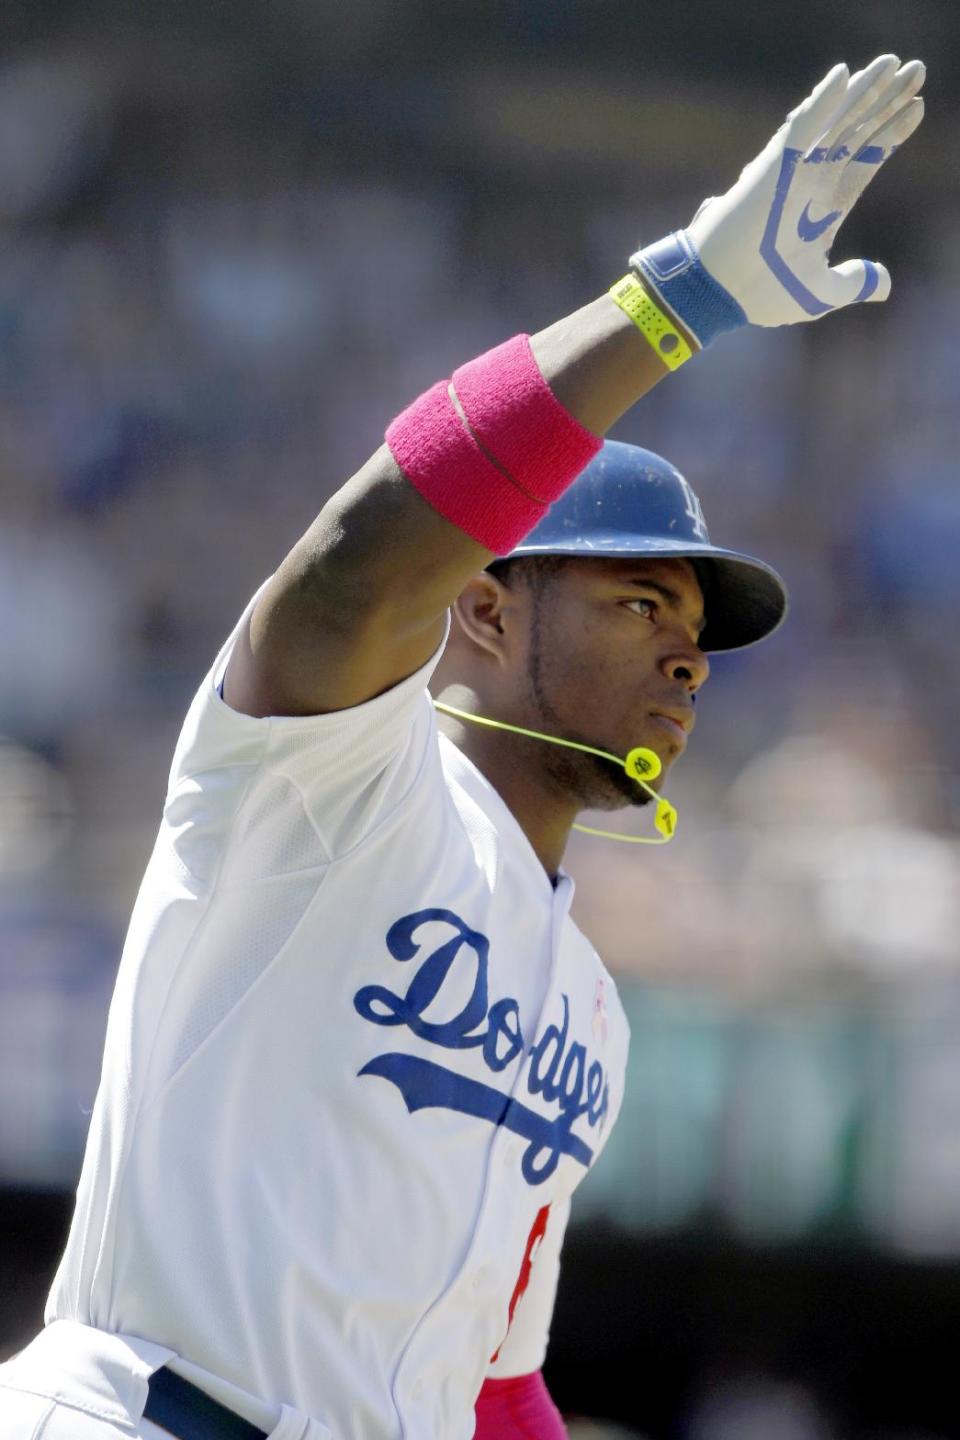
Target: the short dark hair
(535, 571)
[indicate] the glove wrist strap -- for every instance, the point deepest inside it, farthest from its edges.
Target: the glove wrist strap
(674, 272)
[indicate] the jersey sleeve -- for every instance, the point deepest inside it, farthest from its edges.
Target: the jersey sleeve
(302, 790)
(525, 1346)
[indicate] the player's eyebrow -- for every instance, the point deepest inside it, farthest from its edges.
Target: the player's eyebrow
(674, 600)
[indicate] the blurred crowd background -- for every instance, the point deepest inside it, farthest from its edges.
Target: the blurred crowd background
(234, 242)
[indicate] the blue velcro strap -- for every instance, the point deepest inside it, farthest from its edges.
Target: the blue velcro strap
(675, 271)
(189, 1414)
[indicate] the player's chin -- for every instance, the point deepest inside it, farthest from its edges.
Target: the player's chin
(615, 790)
(634, 794)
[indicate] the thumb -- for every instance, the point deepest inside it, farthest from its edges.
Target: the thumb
(853, 282)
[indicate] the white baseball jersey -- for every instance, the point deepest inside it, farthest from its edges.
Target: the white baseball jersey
(358, 1058)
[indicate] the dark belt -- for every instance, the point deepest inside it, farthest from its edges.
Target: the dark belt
(189, 1414)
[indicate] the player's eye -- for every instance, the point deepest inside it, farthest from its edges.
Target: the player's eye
(649, 613)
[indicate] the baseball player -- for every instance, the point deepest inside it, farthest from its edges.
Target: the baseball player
(359, 1057)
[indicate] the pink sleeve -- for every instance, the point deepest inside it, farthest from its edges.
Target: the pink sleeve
(519, 1408)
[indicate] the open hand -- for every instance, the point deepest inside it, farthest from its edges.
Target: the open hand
(764, 246)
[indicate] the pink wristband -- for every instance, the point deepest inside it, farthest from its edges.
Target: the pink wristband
(516, 414)
(442, 460)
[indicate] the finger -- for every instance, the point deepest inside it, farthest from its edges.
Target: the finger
(891, 135)
(863, 91)
(906, 83)
(856, 282)
(812, 116)
(875, 149)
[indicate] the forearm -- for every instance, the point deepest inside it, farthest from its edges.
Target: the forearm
(469, 468)
(597, 363)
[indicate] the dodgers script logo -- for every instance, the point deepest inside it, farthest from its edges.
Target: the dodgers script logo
(558, 1071)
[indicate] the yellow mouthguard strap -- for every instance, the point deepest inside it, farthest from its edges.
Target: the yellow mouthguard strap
(640, 764)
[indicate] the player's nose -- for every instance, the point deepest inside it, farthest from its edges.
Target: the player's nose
(687, 664)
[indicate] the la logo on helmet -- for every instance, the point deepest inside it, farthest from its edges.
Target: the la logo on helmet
(694, 510)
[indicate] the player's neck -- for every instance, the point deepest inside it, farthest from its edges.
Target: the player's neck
(543, 816)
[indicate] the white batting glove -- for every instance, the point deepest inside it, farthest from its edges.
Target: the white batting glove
(759, 254)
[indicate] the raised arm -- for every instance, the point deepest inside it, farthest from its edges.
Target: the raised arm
(359, 602)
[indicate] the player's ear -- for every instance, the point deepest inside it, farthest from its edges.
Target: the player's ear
(484, 611)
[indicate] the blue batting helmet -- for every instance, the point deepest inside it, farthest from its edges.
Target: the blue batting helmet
(629, 501)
